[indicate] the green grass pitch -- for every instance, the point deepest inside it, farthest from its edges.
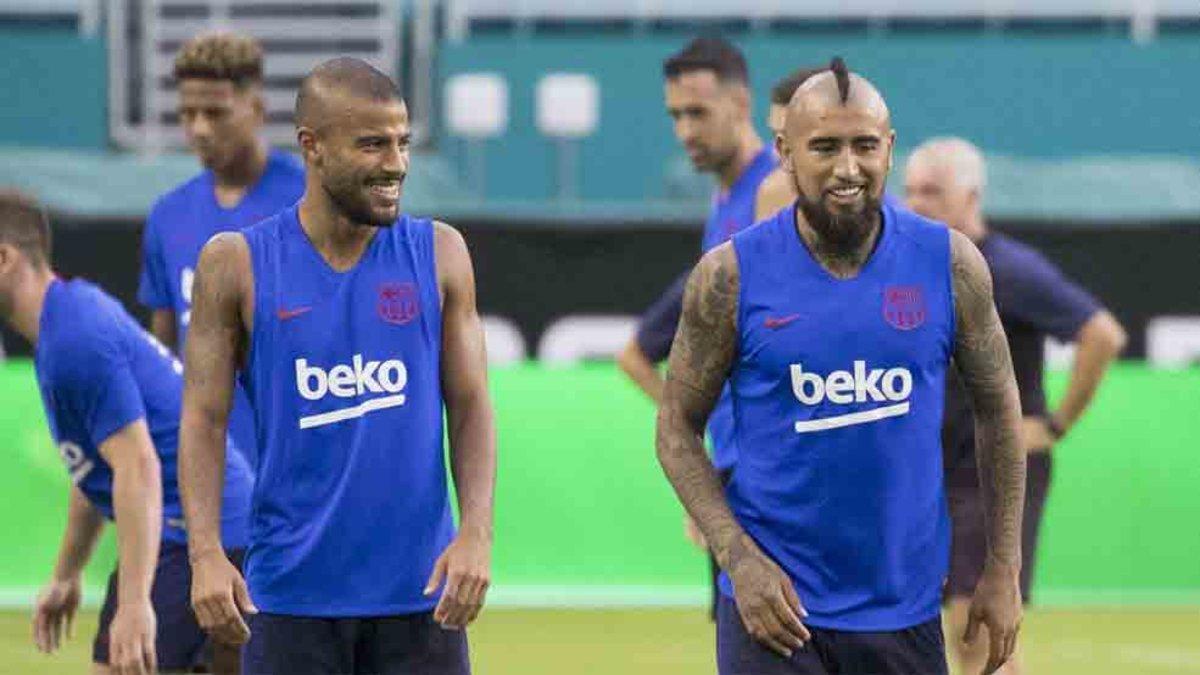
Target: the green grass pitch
(679, 641)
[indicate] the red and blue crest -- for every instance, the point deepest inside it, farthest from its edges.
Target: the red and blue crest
(399, 302)
(904, 307)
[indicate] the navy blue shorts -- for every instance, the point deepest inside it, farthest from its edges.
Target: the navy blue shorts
(913, 651)
(413, 644)
(180, 643)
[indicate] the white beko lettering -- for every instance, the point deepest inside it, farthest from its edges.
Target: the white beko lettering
(78, 464)
(187, 279)
(357, 378)
(844, 387)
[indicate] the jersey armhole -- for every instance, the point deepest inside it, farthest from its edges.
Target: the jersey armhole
(257, 321)
(951, 300)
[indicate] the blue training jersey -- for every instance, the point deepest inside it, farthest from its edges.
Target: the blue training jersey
(838, 392)
(98, 372)
(732, 211)
(350, 503)
(179, 225)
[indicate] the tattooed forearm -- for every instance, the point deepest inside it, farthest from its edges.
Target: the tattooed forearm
(983, 360)
(699, 364)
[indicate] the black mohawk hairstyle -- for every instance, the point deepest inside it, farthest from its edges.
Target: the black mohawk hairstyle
(838, 66)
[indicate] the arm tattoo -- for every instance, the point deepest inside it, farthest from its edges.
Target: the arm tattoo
(983, 359)
(700, 360)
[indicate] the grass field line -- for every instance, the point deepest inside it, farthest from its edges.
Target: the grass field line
(1175, 658)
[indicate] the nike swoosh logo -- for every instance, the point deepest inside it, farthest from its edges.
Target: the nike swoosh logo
(285, 314)
(780, 322)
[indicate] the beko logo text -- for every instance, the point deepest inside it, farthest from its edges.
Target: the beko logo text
(357, 378)
(844, 387)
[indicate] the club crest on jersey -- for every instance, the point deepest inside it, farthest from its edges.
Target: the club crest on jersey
(398, 302)
(904, 307)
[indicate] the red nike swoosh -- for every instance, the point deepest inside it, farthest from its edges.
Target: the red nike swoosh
(285, 314)
(780, 322)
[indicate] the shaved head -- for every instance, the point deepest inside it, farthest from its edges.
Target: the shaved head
(324, 90)
(352, 127)
(837, 145)
(824, 91)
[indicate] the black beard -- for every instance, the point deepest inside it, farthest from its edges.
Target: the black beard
(350, 202)
(843, 235)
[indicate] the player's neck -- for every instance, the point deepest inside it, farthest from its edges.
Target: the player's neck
(975, 229)
(244, 171)
(749, 146)
(339, 241)
(30, 297)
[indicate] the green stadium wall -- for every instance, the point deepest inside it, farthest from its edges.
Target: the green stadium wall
(584, 515)
(55, 88)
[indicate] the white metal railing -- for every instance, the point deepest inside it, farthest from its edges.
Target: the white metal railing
(1143, 15)
(144, 35)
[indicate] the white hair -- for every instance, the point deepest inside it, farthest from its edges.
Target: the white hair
(964, 160)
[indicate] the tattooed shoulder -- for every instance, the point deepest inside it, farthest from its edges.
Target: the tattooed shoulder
(981, 349)
(971, 278)
(713, 287)
(703, 349)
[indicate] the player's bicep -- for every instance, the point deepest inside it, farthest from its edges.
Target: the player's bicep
(464, 354)
(216, 333)
(1045, 298)
(703, 351)
(129, 446)
(980, 348)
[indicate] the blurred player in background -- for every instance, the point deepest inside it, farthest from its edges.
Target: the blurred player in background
(221, 110)
(708, 98)
(112, 398)
(945, 180)
(776, 190)
(355, 325)
(834, 323)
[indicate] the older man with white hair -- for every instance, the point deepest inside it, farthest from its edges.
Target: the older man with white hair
(945, 180)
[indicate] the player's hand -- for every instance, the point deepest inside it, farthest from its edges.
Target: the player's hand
(54, 613)
(1036, 435)
(996, 605)
(693, 533)
(220, 597)
(465, 566)
(766, 599)
(131, 640)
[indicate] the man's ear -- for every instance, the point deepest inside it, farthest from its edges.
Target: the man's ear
(784, 150)
(306, 138)
(10, 257)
